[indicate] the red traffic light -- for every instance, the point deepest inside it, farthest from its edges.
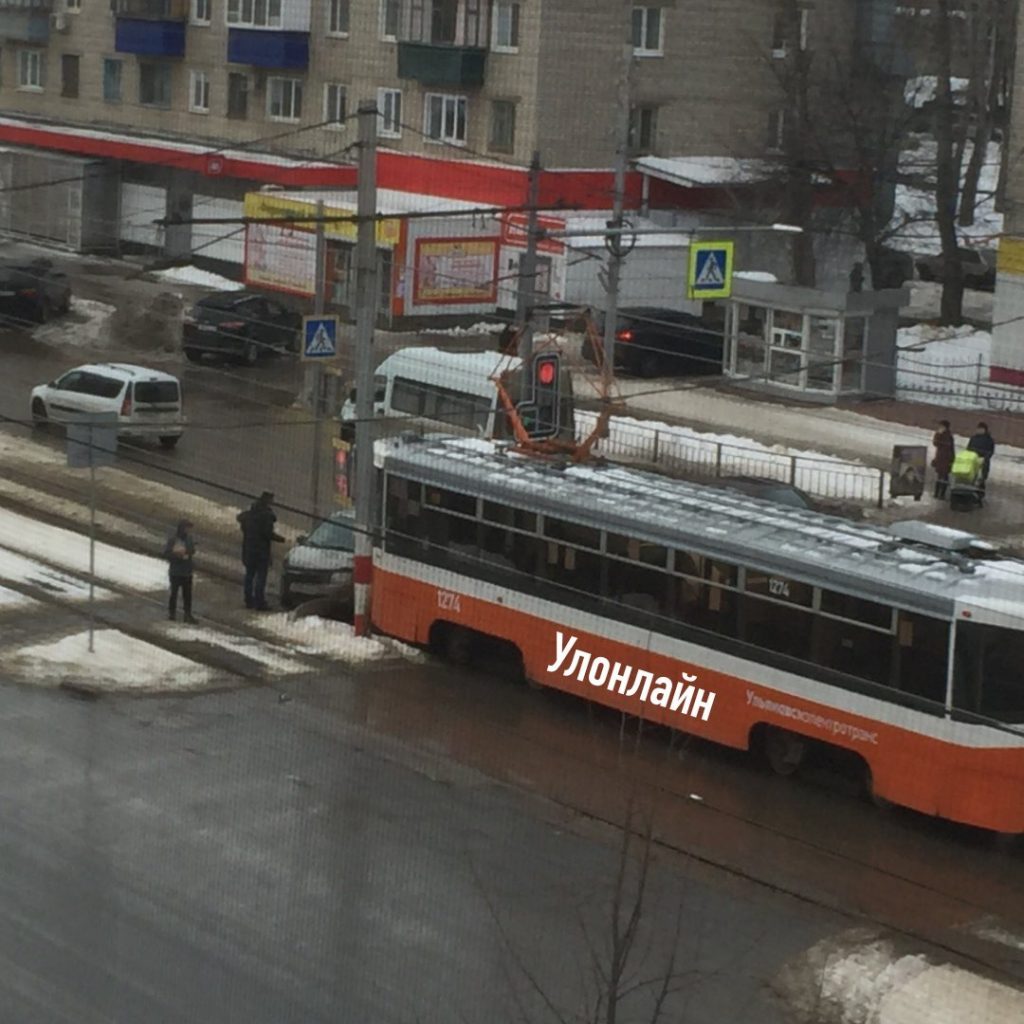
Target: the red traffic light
(547, 370)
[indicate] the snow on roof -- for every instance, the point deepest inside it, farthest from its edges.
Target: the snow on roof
(389, 200)
(702, 171)
(173, 145)
(598, 222)
(756, 275)
(730, 525)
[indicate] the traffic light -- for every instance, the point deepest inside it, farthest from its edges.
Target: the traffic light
(546, 375)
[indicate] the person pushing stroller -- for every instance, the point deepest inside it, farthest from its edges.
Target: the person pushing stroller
(967, 481)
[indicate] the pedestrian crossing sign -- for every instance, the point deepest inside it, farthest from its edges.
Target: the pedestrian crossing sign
(319, 338)
(710, 271)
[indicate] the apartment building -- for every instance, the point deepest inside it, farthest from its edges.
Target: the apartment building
(190, 101)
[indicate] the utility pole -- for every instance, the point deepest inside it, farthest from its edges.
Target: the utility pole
(314, 370)
(526, 297)
(614, 243)
(366, 316)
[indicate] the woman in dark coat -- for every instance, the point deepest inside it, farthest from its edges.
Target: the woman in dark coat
(945, 451)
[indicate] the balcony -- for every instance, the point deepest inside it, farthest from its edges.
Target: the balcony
(268, 49)
(150, 28)
(441, 63)
(27, 21)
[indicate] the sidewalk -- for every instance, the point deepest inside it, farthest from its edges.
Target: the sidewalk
(864, 431)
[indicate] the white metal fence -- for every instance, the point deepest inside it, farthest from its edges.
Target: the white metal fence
(672, 447)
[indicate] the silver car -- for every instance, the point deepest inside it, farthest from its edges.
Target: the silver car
(320, 564)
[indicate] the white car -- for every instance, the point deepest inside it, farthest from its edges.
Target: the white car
(148, 402)
(320, 564)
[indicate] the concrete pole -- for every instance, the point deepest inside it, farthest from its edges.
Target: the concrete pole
(526, 297)
(315, 370)
(366, 315)
(615, 242)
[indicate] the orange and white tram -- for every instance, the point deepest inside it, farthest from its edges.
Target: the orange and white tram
(718, 614)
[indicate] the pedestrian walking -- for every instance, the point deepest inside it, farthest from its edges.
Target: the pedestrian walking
(983, 444)
(945, 452)
(179, 552)
(258, 537)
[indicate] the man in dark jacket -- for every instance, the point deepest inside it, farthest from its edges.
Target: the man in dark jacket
(984, 445)
(258, 535)
(945, 452)
(178, 551)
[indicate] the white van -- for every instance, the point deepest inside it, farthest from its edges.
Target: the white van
(148, 402)
(455, 389)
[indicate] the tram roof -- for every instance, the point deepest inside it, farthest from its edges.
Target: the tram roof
(819, 548)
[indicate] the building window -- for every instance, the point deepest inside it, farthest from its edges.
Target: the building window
(776, 131)
(643, 129)
(154, 84)
(201, 12)
(503, 126)
(506, 27)
(444, 118)
(238, 95)
(69, 75)
(254, 13)
(111, 80)
(73, 6)
(390, 19)
(284, 98)
(334, 105)
(31, 69)
(647, 22)
(389, 107)
(337, 17)
(199, 92)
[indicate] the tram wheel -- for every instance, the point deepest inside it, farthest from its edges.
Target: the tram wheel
(458, 645)
(784, 750)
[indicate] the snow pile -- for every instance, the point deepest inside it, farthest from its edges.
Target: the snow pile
(763, 276)
(269, 656)
(722, 455)
(118, 662)
(853, 980)
(913, 225)
(199, 278)
(921, 90)
(461, 332)
(329, 639)
(13, 598)
(87, 323)
(70, 551)
(16, 568)
(950, 366)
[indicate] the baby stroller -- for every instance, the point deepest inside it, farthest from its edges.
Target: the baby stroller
(966, 488)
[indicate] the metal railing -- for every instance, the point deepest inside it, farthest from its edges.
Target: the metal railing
(676, 448)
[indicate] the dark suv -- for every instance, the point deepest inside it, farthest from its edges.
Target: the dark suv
(652, 342)
(33, 290)
(978, 267)
(239, 326)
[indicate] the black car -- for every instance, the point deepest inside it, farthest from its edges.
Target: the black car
(651, 342)
(977, 265)
(32, 290)
(239, 326)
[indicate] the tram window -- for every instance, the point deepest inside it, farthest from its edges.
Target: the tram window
(847, 606)
(571, 567)
(572, 533)
(776, 627)
(923, 645)
(528, 554)
(851, 649)
(464, 504)
(779, 587)
(495, 512)
(638, 550)
(403, 505)
(497, 545)
(988, 681)
(637, 586)
(702, 567)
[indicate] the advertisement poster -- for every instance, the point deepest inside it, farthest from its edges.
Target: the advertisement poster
(456, 270)
(908, 470)
(281, 257)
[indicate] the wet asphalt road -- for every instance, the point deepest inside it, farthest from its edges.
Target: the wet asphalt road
(233, 858)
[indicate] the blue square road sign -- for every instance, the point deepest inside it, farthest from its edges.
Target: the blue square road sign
(319, 338)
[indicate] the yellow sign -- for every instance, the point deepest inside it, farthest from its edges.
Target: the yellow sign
(710, 272)
(1010, 257)
(456, 270)
(267, 204)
